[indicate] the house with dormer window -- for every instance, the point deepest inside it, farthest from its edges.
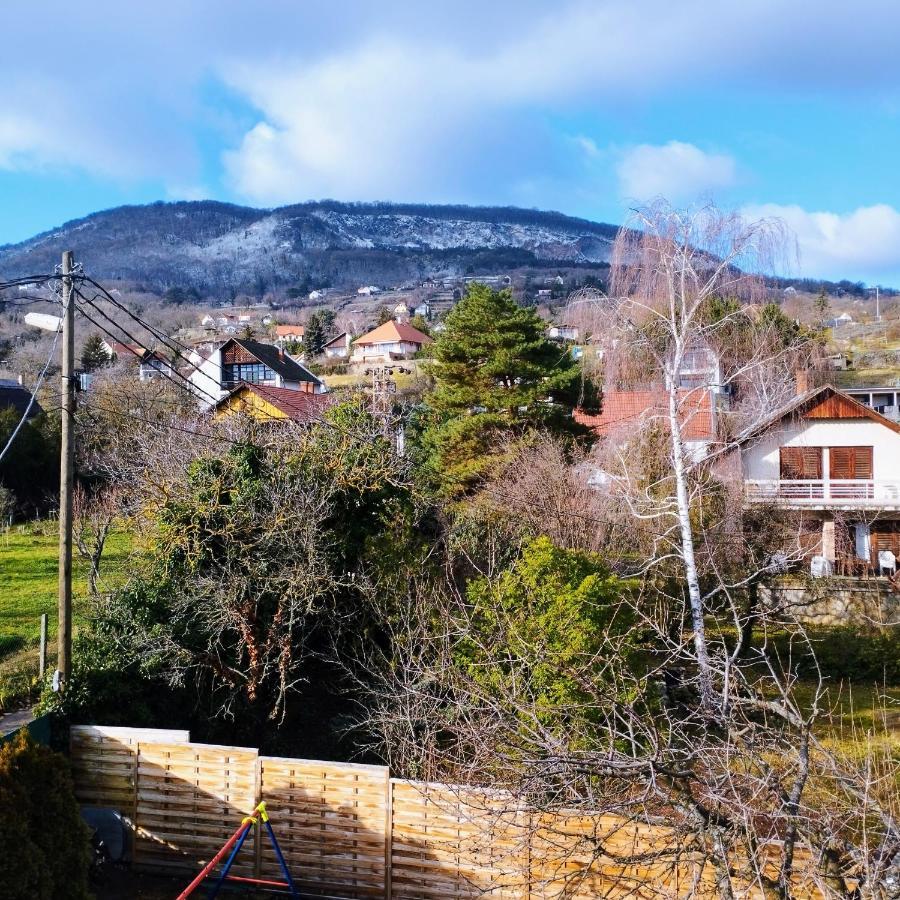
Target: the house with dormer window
(239, 361)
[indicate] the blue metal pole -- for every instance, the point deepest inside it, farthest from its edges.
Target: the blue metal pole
(217, 886)
(281, 862)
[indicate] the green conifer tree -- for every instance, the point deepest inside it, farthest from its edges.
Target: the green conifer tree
(823, 306)
(313, 337)
(94, 354)
(497, 377)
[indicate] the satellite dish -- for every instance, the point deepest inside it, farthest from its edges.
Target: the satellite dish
(43, 320)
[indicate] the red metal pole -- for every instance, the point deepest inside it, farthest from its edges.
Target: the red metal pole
(247, 823)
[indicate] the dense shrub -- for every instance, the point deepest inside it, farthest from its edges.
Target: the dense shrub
(46, 845)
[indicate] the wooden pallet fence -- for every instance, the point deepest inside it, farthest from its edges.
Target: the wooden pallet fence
(330, 821)
(352, 832)
(453, 843)
(190, 799)
(104, 761)
(577, 856)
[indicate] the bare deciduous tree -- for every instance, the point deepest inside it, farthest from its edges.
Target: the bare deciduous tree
(707, 732)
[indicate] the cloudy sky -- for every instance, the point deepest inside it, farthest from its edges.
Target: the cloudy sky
(786, 109)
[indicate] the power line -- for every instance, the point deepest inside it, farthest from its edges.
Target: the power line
(187, 383)
(37, 387)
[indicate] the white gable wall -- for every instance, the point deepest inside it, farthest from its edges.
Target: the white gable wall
(761, 462)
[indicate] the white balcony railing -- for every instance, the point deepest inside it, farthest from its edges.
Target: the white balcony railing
(817, 492)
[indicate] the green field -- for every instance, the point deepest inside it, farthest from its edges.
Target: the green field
(28, 581)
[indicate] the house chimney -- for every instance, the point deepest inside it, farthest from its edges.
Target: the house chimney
(802, 379)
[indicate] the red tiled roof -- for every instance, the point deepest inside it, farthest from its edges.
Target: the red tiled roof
(301, 406)
(622, 408)
(392, 332)
(121, 349)
(288, 330)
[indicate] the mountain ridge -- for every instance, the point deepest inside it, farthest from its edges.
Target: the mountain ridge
(215, 247)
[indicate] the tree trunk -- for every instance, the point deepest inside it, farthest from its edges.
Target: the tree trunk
(687, 546)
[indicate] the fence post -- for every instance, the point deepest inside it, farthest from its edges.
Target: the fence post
(388, 833)
(136, 756)
(42, 659)
(256, 837)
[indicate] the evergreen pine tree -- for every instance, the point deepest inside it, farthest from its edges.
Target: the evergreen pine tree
(497, 377)
(418, 322)
(94, 354)
(326, 318)
(313, 337)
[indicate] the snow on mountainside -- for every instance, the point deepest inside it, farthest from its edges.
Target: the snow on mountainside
(219, 247)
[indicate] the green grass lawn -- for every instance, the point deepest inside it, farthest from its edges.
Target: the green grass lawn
(28, 581)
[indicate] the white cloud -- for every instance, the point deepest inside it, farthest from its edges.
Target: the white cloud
(21, 140)
(676, 171)
(857, 244)
(396, 99)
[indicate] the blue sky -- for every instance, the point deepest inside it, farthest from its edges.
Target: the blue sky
(779, 109)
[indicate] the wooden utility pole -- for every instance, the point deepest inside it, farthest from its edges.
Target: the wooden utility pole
(66, 475)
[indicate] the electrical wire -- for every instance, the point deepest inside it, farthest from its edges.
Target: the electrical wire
(184, 384)
(37, 386)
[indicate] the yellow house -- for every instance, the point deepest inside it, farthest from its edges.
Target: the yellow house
(271, 404)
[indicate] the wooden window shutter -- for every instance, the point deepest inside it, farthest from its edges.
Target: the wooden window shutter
(841, 465)
(863, 462)
(850, 462)
(801, 462)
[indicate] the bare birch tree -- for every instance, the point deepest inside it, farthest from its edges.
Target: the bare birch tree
(705, 731)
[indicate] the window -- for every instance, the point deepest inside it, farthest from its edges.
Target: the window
(801, 463)
(850, 463)
(253, 372)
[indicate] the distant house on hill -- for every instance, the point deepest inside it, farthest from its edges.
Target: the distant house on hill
(842, 319)
(14, 396)
(563, 332)
(239, 360)
(368, 290)
(390, 341)
(339, 347)
(150, 364)
(288, 334)
(272, 404)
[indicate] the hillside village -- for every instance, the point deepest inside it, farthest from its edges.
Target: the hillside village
(470, 533)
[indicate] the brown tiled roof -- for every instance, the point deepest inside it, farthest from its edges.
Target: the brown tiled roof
(301, 406)
(340, 339)
(391, 332)
(622, 408)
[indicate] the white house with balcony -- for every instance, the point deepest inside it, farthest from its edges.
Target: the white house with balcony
(837, 459)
